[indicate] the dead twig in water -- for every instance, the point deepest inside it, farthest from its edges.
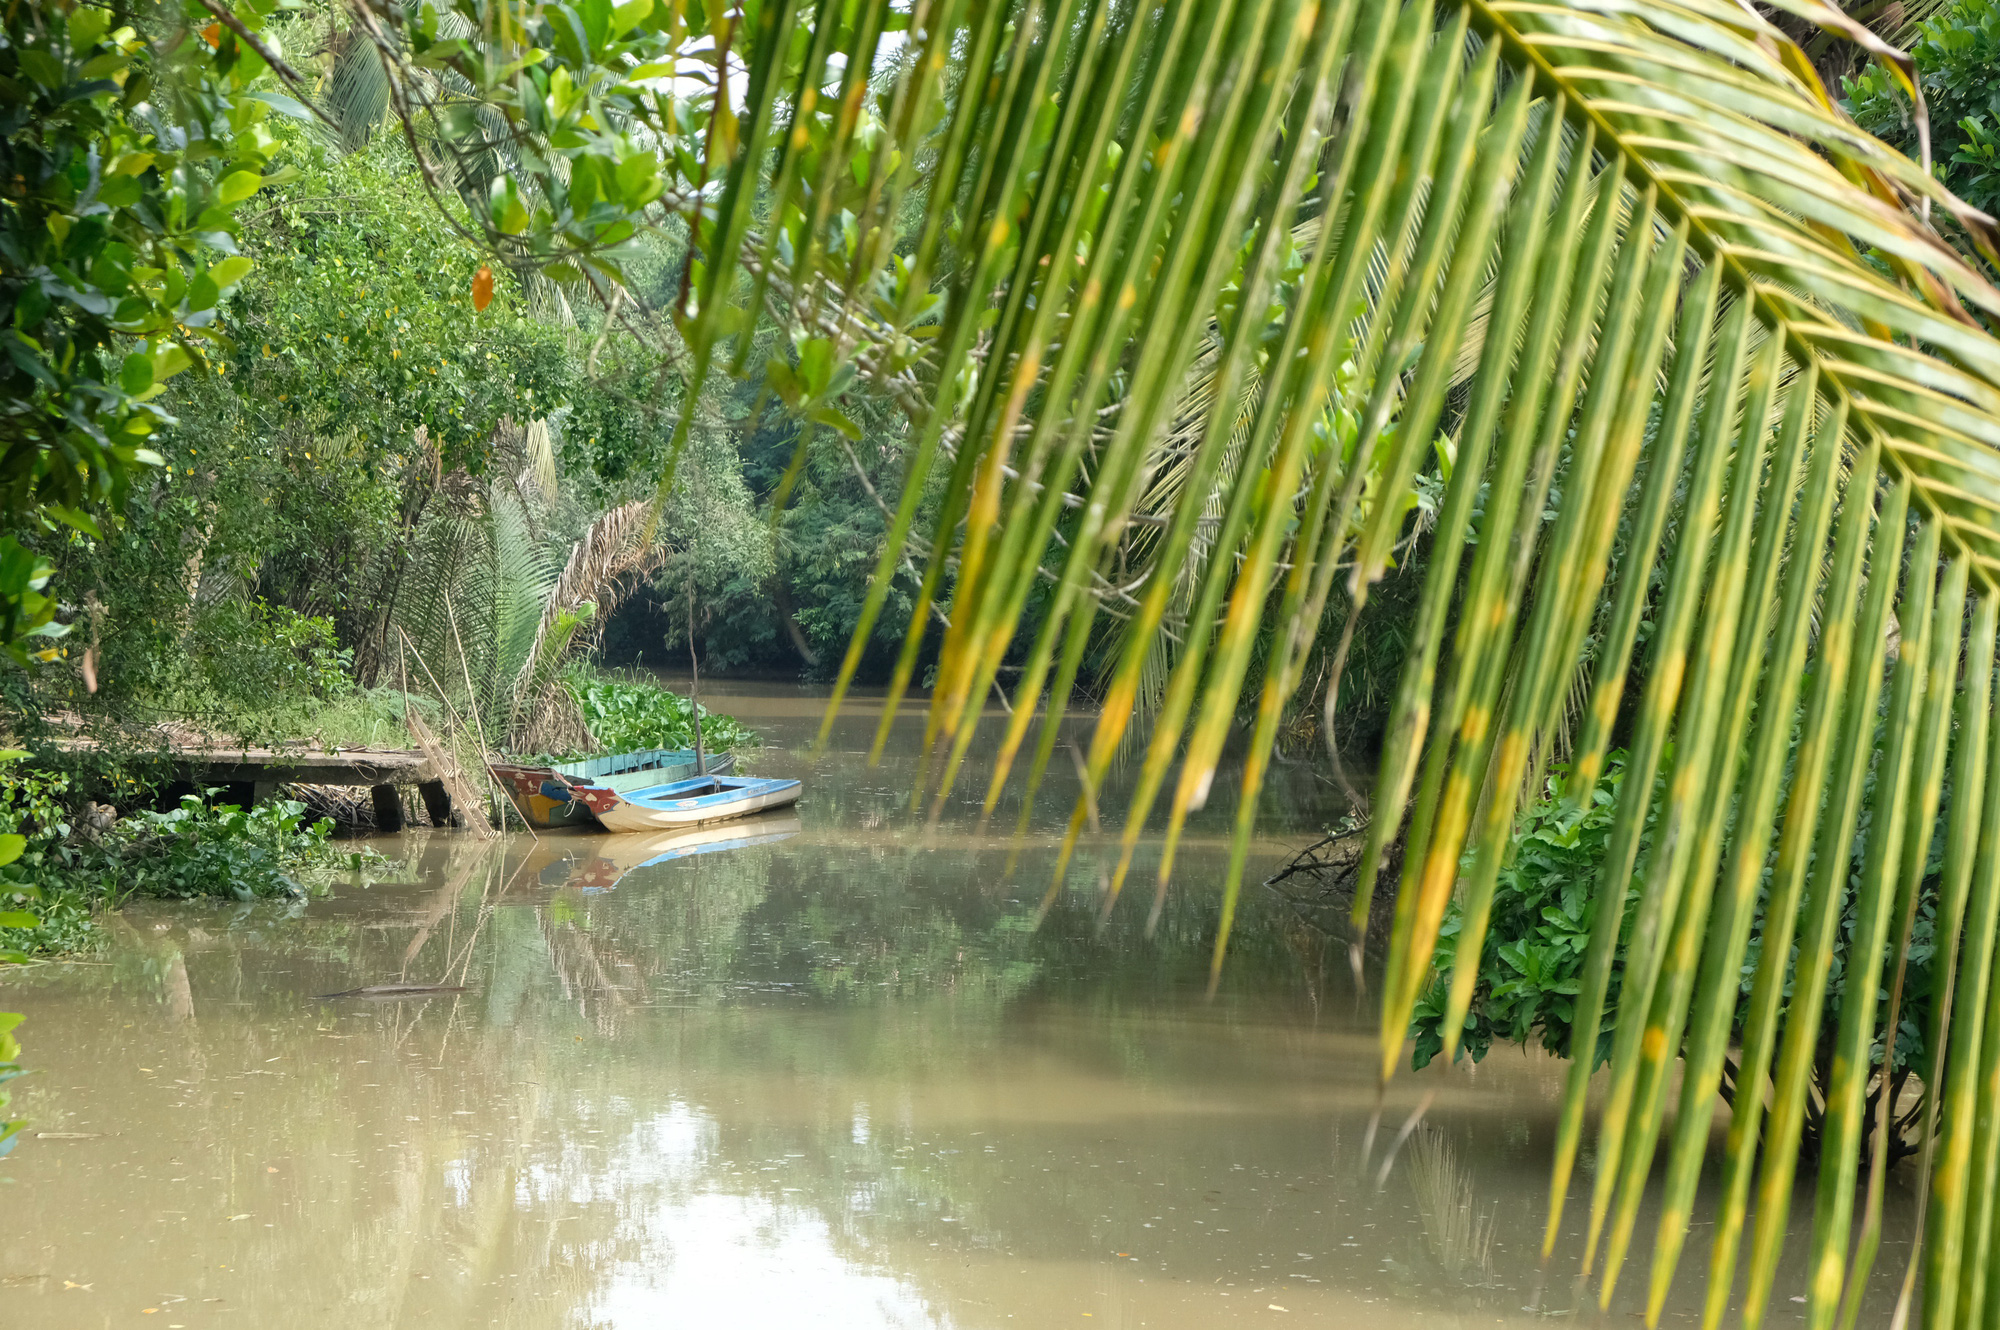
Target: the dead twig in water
(392, 991)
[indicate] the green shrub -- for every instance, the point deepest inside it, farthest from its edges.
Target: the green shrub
(1958, 62)
(255, 649)
(67, 870)
(627, 714)
(63, 922)
(1545, 902)
(201, 849)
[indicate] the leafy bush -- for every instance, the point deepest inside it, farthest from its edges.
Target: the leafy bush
(68, 868)
(626, 714)
(257, 648)
(116, 245)
(1958, 63)
(1545, 903)
(47, 921)
(200, 849)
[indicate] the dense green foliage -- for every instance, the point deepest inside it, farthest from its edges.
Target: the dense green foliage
(627, 714)
(76, 862)
(253, 566)
(1546, 900)
(1531, 965)
(131, 143)
(326, 486)
(1958, 62)
(800, 617)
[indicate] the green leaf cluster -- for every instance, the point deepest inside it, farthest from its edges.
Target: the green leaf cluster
(628, 714)
(129, 142)
(1544, 903)
(1958, 63)
(67, 867)
(361, 401)
(361, 325)
(592, 88)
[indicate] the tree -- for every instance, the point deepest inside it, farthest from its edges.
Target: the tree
(1694, 374)
(132, 135)
(357, 383)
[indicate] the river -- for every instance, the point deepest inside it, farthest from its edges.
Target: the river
(835, 1079)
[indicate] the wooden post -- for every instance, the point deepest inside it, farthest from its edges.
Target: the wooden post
(694, 682)
(437, 802)
(388, 807)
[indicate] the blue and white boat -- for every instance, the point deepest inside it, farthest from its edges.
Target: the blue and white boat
(695, 802)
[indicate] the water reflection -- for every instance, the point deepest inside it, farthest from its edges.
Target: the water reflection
(831, 1076)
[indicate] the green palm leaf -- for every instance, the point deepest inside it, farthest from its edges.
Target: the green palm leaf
(1619, 253)
(1236, 272)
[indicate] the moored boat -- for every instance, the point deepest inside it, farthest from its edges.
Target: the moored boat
(695, 802)
(572, 794)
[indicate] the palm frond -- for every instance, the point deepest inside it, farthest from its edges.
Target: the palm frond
(1704, 365)
(1215, 284)
(355, 94)
(610, 553)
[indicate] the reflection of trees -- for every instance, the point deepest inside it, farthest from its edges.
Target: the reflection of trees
(584, 974)
(867, 991)
(358, 1123)
(1458, 1232)
(825, 1002)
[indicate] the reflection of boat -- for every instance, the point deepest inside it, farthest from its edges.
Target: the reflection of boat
(619, 855)
(695, 802)
(574, 793)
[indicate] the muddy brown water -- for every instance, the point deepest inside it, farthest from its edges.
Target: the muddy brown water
(834, 1077)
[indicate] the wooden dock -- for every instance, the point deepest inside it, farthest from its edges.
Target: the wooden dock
(254, 774)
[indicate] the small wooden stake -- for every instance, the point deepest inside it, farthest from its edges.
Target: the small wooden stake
(694, 683)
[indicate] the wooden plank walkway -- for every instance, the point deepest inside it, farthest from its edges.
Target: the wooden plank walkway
(300, 766)
(253, 774)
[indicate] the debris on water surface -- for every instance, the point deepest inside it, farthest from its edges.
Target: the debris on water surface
(392, 991)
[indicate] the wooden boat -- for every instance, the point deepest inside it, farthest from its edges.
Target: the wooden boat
(573, 794)
(695, 802)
